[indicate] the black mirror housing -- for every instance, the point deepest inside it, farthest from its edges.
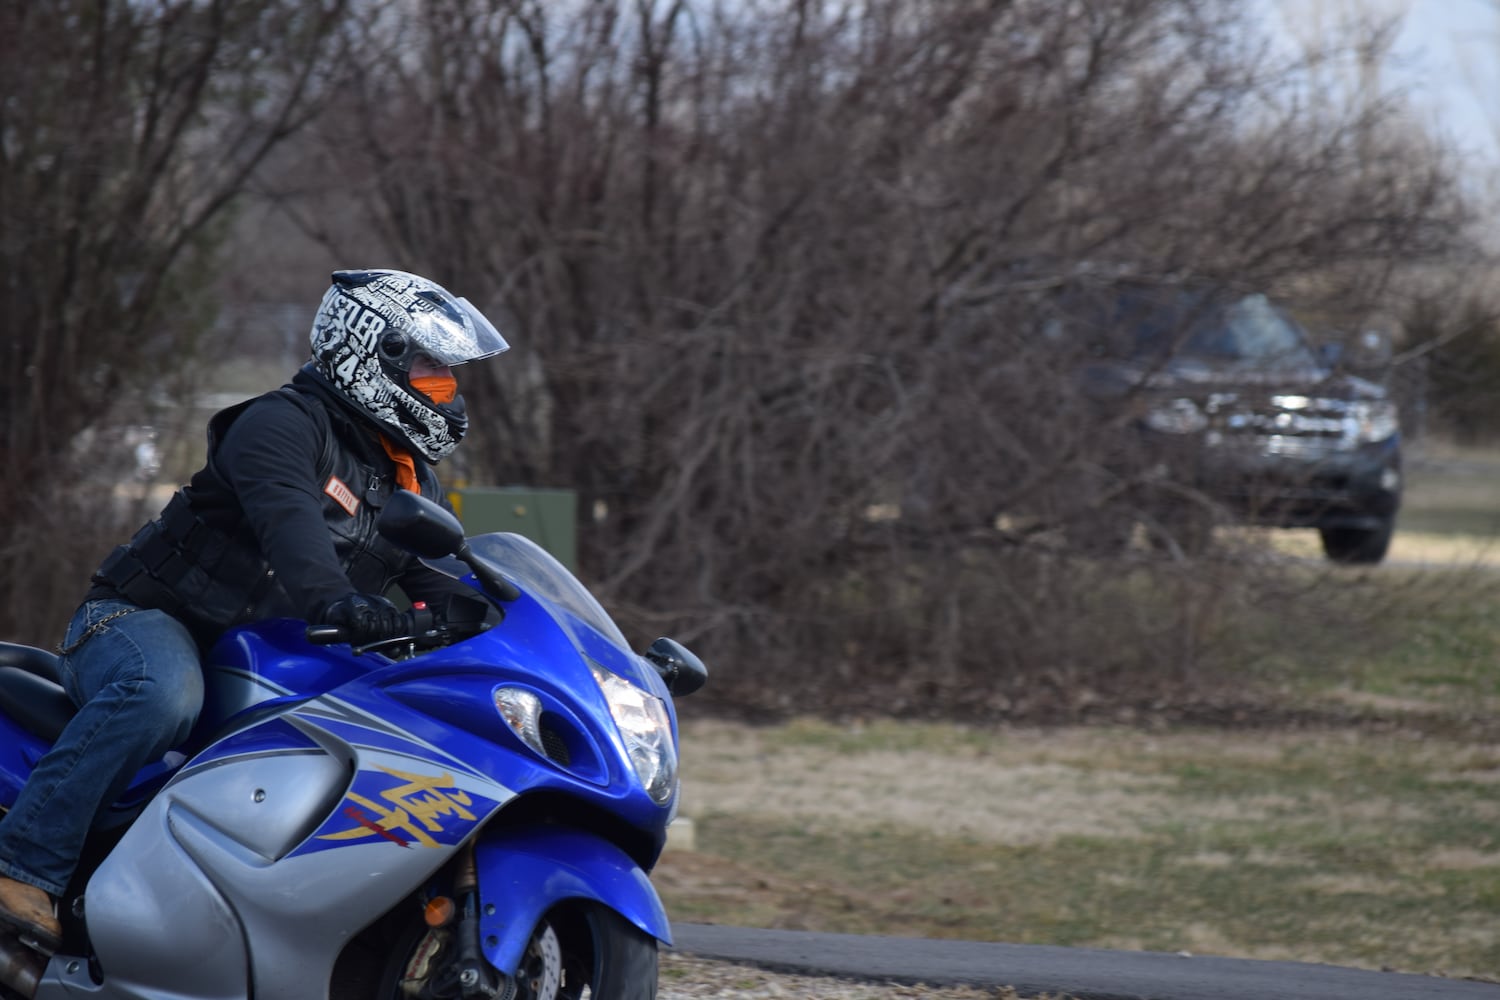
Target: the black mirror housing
(420, 526)
(678, 666)
(427, 529)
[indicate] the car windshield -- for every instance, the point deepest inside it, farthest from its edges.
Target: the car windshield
(1253, 331)
(1249, 332)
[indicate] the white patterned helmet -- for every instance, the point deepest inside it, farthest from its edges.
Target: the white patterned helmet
(369, 329)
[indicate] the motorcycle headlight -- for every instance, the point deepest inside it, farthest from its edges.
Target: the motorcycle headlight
(1179, 416)
(1374, 421)
(647, 731)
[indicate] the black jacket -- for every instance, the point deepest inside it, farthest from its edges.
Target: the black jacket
(279, 522)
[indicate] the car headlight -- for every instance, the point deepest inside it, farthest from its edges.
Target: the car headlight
(1179, 416)
(647, 731)
(1374, 420)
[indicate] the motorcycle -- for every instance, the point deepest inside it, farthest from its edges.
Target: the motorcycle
(468, 812)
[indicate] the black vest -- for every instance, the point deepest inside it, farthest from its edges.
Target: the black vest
(212, 575)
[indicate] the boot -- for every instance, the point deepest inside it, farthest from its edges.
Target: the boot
(27, 909)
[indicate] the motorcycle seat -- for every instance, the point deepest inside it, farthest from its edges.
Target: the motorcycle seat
(30, 659)
(30, 692)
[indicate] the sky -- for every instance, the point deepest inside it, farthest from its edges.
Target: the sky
(1454, 48)
(1446, 56)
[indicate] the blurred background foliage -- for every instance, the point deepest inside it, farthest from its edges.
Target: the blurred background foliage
(770, 269)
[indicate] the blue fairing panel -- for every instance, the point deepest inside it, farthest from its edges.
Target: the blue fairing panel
(525, 872)
(19, 753)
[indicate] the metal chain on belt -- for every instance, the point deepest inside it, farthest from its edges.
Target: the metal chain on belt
(94, 629)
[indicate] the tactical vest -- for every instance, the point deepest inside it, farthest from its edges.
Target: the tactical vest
(213, 577)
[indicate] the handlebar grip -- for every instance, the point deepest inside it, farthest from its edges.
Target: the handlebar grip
(419, 621)
(326, 635)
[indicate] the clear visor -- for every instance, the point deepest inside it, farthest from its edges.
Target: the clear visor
(449, 342)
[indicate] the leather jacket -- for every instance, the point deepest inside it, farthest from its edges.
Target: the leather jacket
(279, 522)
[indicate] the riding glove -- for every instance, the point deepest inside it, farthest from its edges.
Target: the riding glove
(366, 618)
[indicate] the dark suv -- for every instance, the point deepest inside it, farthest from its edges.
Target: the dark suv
(1234, 409)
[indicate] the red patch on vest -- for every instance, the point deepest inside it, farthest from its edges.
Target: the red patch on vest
(342, 495)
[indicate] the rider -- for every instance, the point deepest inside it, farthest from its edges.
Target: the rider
(280, 522)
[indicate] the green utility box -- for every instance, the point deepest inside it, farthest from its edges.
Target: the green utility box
(547, 517)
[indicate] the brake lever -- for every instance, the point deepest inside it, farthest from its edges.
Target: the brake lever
(378, 644)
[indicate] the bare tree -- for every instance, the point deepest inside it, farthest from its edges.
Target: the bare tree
(126, 131)
(775, 271)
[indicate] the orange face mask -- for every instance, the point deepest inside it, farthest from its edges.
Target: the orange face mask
(438, 388)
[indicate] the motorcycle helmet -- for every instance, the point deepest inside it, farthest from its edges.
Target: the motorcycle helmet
(371, 326)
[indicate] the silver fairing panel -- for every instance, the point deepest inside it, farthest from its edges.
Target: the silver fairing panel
(245, 877)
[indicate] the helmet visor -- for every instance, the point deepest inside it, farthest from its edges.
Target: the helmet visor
(456, 339)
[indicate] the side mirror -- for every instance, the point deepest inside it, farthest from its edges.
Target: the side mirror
(420, 526)
(682, 671)
(1373, 349)
(424, 528)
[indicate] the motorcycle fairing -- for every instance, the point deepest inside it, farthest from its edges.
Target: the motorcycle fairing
(19, 752)
(253, 667)
(276, 735)
(526, 871)
(399, 788)
(405, 801)
(288, 834)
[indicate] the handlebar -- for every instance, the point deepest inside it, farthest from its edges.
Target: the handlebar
(421, 627)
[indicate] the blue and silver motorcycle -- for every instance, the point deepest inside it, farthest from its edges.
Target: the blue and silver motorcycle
(468, 812)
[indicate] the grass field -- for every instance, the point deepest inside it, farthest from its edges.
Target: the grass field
(1374, 843)
(1365, 849)
(1453, 491)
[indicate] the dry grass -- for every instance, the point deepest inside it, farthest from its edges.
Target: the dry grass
(1371, 849)
(684, 977)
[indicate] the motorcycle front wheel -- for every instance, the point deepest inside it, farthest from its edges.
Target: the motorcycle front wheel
(574, 952)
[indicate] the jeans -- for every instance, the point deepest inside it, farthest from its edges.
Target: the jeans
(138, 681)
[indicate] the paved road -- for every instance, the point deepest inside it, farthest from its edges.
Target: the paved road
(1088, 974)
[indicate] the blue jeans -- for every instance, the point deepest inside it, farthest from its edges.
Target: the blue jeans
(139, 682)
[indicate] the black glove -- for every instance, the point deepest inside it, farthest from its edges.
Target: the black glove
(365, 618)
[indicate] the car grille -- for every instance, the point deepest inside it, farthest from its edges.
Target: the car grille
(1286, 425)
